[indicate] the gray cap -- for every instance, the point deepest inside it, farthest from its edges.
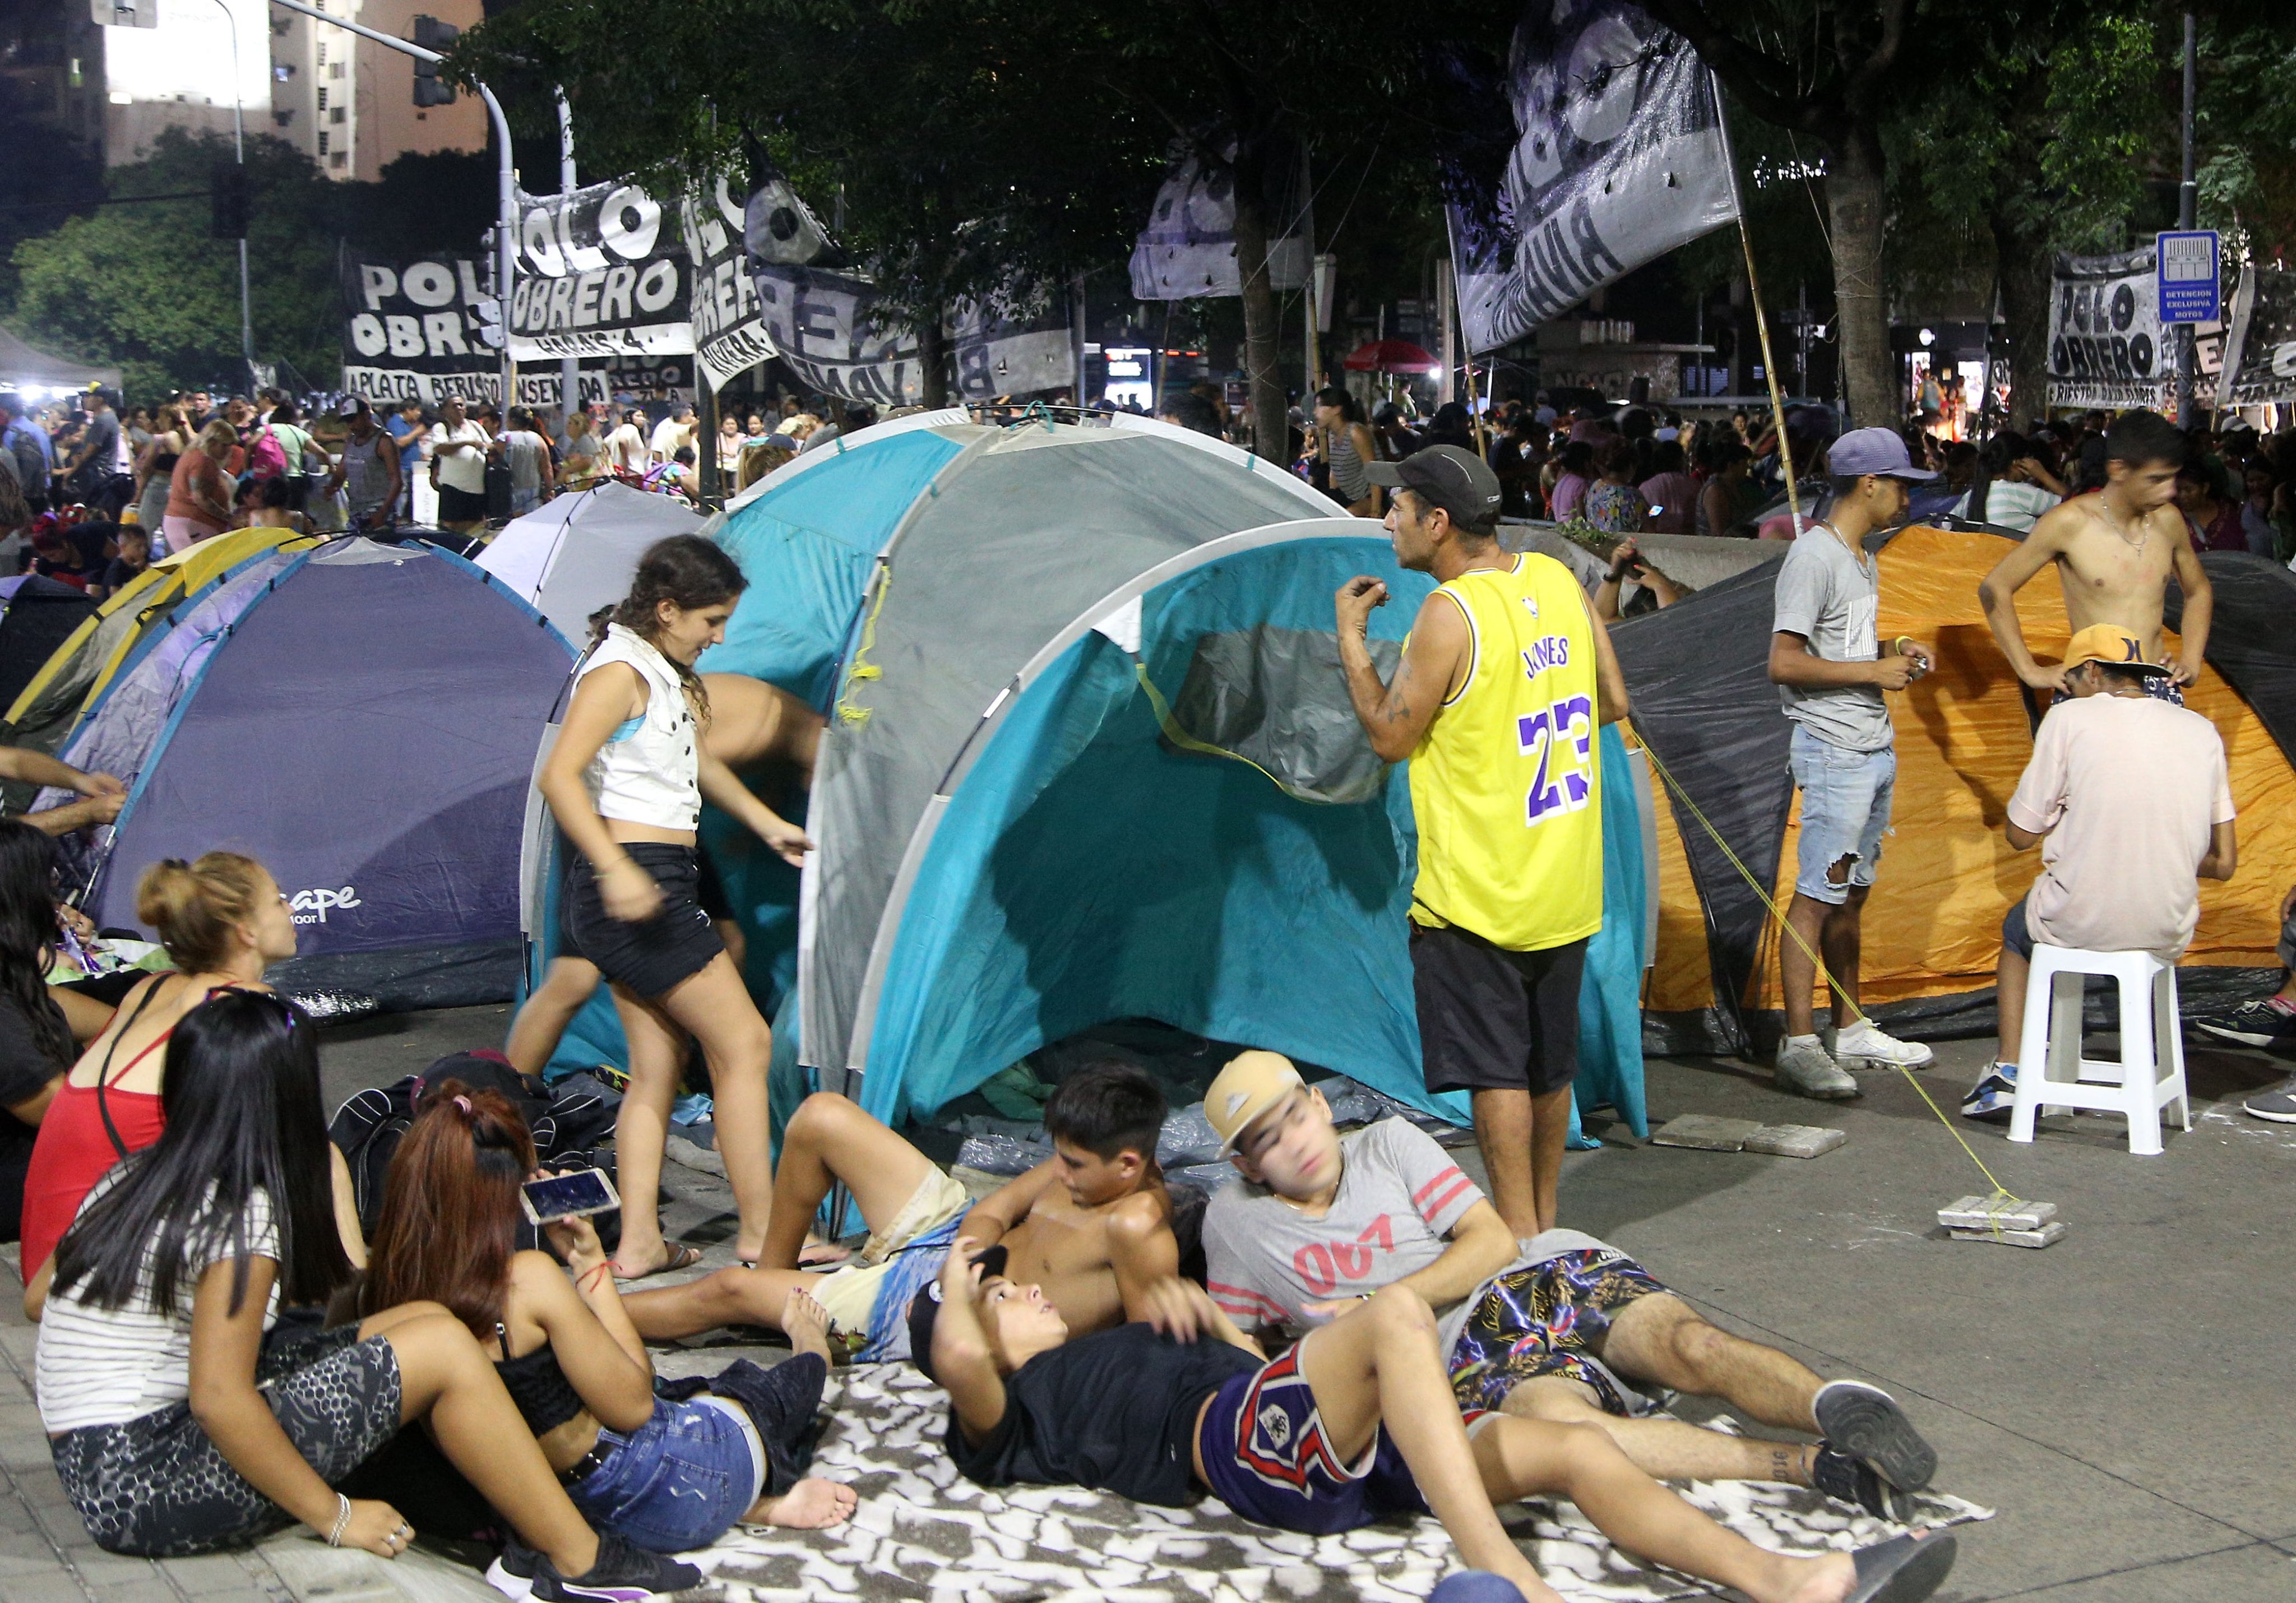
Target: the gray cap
(1880, 452)
(1458, 481)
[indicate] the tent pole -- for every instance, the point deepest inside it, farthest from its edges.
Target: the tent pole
(1467, 352)
(1761, 320)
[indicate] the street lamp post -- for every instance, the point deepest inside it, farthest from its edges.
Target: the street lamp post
(569, 368)
(506, 182)
(239, 154)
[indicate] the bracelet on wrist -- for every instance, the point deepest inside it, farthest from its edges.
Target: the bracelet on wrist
(342, 1520)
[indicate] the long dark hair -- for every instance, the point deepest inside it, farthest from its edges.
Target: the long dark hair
(240, 1098)
(450, 1209)
(688, 571)
(27, 931)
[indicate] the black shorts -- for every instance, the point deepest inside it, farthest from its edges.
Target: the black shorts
(710, 890)
(461, 506)
(1492, 1020)
(650, 958)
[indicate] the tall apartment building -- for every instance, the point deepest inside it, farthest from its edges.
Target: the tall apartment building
(345, 102)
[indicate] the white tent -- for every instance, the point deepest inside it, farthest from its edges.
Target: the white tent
(575, 554)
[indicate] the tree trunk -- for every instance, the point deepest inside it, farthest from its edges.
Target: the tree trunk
(933, 365)
(1270, 427)
(2023, 263)
(1856, 202)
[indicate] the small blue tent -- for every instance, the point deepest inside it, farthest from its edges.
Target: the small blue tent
(359, 718)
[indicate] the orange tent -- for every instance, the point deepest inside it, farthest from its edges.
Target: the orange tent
(1931, 929)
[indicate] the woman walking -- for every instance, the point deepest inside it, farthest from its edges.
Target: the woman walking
(155, 474)
(669, 1475)
(625, 782)
(200, 490)
(182, 1420)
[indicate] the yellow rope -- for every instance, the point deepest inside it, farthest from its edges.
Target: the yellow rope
(863, 668)
(2001, 1193)
(1187, 742)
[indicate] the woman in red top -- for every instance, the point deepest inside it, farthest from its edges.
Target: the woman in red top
(223, 922)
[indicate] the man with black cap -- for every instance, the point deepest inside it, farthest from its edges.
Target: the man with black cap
(1831, 670)
(1504, 682)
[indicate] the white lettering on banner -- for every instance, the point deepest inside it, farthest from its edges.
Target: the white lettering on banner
(1618, 158)
(579, 259)
(367, 337)
(628, 222)
(541, 242)
(427, 284)
(378, 283)
(405, 335)
(311, 906)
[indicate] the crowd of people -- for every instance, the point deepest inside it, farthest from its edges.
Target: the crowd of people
(91, 496)
(224, 1351)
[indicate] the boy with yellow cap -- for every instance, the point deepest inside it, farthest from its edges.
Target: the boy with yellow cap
(2126, 796)
(1559, 1328)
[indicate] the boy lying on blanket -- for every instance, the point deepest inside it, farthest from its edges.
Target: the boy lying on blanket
(1555, 1327)
(1354, 1424)
(1092, 1224)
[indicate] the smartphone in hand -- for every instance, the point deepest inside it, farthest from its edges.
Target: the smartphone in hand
(569, 1196)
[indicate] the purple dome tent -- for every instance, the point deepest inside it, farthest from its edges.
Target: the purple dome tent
(360, 718)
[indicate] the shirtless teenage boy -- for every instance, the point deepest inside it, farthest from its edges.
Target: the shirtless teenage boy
(2114, 551)
(1092, 1226)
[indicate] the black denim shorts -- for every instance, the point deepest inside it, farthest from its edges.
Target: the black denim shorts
(650, 958)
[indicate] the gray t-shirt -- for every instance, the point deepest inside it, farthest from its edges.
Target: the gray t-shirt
(522, 450)
(1400, 1195)
(1832, 598)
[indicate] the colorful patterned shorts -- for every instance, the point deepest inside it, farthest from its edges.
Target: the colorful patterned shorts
(1548, 1319)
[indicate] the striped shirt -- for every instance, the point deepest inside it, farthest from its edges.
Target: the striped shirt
(103, 1366)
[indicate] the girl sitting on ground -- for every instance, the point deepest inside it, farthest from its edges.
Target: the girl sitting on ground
(626, 782)
(41, 1026)
(182, 1420)
(223, 922)
(666, 1476)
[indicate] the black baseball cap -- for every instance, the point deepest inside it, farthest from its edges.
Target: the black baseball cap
(924, 1308)
(1458, 481)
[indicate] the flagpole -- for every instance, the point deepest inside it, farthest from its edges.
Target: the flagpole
(1761, 320)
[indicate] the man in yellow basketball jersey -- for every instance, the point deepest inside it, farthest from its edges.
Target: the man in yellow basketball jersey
(1504, 682)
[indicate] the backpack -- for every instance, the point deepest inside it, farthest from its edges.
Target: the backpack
(267, 458)
(369, 1126)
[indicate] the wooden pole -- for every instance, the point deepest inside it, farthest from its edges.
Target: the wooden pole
(1761, 320)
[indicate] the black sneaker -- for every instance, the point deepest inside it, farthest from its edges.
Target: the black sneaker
(2253, 1024)
(1863, 1421)
(513, 1574)
(1854, 1481)
(623, 1573)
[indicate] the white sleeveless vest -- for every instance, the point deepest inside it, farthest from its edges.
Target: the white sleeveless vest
(648, 771)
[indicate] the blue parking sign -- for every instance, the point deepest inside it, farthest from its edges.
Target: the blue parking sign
(2192, 286)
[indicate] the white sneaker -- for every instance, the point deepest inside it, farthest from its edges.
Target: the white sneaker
(1805, 1067)
(1863, 1046)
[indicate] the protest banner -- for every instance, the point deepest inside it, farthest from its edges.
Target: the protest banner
(1615, 156)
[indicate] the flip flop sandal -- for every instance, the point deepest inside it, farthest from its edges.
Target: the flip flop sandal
(680, 1257)
(1865, 1422)
(1904, 1569)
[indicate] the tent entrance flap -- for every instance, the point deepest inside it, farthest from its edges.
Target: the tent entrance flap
(1278, 699)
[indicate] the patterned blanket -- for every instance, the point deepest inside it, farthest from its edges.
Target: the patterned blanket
(924, 1531)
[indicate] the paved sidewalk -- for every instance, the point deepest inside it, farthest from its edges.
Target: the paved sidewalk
(2121, 1398)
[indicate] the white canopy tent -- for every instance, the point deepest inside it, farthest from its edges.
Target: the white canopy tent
(575, 554)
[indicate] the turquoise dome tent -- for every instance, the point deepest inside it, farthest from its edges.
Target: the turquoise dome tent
(1089, 756)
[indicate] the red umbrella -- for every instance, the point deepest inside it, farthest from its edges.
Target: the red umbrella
(1392, 356)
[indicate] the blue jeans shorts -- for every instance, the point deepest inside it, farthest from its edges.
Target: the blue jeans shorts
(2015, 934)
(1845, 811)
(679, 1481)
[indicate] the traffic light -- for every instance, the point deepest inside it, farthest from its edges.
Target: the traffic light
(431, 34)
(229, 200)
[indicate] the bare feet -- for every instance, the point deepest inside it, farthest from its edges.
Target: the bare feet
(813, 1504)
(819, 1254)
(1526, 1582)
(806, 1323)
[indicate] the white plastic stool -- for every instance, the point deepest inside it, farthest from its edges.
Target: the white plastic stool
(2052, 1073)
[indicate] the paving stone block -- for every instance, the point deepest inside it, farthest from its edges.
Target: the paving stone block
(1795, 1141)
(152, 1589)
(315, 1573)
(209, 1574)
(53, 1586)
(1705, 1132)
(1990, 1214)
